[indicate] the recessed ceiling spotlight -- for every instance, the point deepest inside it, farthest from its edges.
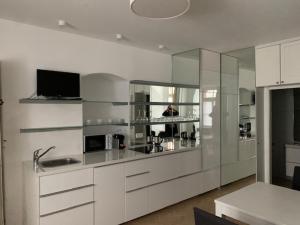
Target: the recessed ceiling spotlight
(160, 9)
(161, 47)
(62, 23)
(119, 36)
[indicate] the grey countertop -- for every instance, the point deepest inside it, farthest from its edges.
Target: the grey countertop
(293, 146)
(107, 157)
(253, 138)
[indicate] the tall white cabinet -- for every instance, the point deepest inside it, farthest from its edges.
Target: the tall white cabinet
(210, 108)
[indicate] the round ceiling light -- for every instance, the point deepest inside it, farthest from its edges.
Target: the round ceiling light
(160, 9)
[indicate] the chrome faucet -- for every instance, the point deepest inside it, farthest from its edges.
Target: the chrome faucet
(37, 156)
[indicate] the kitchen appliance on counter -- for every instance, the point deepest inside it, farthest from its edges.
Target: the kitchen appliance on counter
(245, 130)
(97, 142)
(118, 141)
(149, 149)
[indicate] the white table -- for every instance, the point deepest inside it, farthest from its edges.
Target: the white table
(261, 204)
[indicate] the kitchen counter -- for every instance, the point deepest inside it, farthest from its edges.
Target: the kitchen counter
(293, 146)
(108, 157)
(253, 138)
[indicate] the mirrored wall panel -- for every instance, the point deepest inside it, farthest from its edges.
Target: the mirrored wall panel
(163, 112)
(238, 110)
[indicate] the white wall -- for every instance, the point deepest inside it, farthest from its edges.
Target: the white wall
(23, 49)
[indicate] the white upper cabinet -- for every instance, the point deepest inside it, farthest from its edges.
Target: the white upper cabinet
(290, 63)
(268, 66)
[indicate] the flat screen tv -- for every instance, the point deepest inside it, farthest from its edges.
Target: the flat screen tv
(58, 85)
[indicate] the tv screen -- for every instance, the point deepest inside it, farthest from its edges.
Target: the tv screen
(55, 84)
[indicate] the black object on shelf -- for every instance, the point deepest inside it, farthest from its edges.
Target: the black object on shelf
(58, 84)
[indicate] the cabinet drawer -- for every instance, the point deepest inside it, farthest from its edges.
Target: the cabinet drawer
(166, 168)
(75, 216)
(65, 181)
(164, 194)
(136, 204)
(137, 167)
(66, 200)
(137, 181)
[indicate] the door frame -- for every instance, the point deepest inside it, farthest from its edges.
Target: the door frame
(267, 128)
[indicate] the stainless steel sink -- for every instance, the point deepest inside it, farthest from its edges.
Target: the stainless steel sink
(58, 162)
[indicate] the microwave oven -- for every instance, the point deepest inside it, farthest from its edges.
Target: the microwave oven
(97, 142)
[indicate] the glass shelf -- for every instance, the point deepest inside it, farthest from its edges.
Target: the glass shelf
(166, 103)
(247, 118)
(48, 129)
(153, 83)
(246, 104)
(166, 122)
(49, 101)
(106, 124)
(106, 102)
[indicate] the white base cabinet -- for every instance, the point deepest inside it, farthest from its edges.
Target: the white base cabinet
(114, 194)
(155, 183)
(109, 195)
(61, 199)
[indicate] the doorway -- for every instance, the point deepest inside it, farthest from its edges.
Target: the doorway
(285, 154)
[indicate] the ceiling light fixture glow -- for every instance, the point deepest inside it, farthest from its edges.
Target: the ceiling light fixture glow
(61, 23)
(119, 37)
(160, 9)
(161, 47)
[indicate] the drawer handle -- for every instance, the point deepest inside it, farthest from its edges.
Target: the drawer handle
(66, 209)
(138, 174)
(72, 189)
(282, 82)
(277, 82)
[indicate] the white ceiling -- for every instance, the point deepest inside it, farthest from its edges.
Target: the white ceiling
(220, 25)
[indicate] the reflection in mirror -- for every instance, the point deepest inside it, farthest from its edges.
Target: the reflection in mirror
(238, 110)
(168, 111)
